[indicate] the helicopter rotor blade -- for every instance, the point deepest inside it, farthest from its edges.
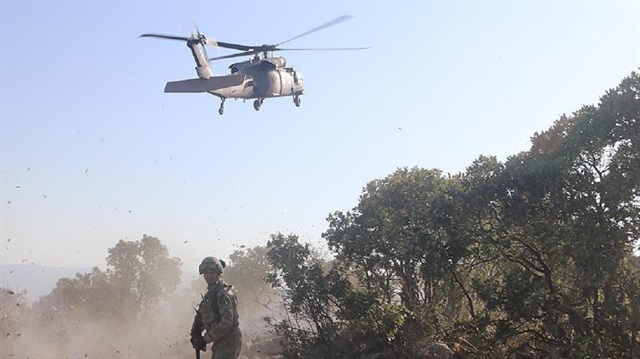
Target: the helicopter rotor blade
(207, 41)
(204, 51)
(325, 25)
(324, 49)
(195, 25)
(211, 42)
(167, 37)
(240, 54)
(258, 50)
(251, 50)
(203, 39)
(228, 45)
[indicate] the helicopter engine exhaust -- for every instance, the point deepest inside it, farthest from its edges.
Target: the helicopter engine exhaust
(280, 62)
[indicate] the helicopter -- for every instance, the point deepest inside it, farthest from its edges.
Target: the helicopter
(263, 76)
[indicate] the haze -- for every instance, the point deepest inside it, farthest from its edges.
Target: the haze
(93, 151)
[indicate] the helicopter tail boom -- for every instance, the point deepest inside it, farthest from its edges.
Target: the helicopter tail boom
(203, 85)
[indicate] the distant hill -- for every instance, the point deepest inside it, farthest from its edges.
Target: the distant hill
(35, 279)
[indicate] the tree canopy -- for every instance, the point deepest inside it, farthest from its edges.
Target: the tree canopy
(529, 258)
(138, 274)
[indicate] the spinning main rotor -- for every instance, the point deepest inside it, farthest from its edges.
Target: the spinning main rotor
(248, 50)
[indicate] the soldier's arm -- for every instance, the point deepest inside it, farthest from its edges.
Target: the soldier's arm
(226, 318)
(198, 325)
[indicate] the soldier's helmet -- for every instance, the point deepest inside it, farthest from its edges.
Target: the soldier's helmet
(211, 264)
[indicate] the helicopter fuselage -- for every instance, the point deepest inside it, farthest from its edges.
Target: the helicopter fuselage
(258, 78)
(264, 83)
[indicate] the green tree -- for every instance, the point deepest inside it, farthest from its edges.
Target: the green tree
(312, 296)
(405, 242)
(141, 272)
(530, 258)
(565, 219)
(248, 272)
(138, 275)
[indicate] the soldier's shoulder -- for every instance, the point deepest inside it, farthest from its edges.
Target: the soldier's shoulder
(226, 290)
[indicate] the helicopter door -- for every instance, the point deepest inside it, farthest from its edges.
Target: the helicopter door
(287, 82)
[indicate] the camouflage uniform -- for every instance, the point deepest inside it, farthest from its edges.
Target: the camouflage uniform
(218, 315)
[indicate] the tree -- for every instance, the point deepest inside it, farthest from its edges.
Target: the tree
(12, 317)
(138, 275)
(565, 221)
(248, 273)
(258, 301)
(80, 312)
(404, 242)
(312, 296)
(531, 257)
(141, 272)
(84, 296)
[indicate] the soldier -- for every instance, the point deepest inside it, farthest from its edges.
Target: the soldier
(217, 314)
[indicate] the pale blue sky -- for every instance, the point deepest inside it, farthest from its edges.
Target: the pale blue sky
(93, 151)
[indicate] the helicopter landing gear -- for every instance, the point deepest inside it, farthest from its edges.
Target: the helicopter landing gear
(221, 109)
(257, 103)
(297, 100)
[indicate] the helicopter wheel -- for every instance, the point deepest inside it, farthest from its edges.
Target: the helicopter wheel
(256, 104)
(297, 100)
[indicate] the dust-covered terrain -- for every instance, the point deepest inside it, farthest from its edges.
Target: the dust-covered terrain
(113, 313)
(161, 333)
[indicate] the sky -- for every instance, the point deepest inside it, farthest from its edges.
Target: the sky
(92, 151)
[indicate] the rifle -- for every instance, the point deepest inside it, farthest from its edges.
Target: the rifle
(196, 330)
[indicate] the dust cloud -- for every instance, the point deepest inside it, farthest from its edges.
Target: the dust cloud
(46, 329)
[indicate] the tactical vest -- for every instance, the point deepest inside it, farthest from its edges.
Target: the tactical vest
(209, 310)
